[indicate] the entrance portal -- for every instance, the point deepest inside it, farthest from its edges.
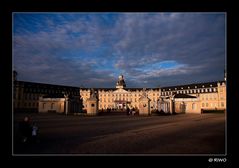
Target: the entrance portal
(122, 104)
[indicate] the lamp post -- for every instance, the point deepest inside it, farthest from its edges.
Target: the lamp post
(66, 101)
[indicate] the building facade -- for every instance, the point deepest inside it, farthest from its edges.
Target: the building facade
(26, 94)
(206, 96)
(191, 98)
(121, 97)
(60, 103)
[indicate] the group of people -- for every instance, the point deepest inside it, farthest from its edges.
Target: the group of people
(28, 130)
(130, 111)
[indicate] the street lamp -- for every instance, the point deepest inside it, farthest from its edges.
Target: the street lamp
(66, 102)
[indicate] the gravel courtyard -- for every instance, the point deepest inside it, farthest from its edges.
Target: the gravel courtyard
(124, 135)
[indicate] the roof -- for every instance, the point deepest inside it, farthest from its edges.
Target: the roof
(98, 89)
(192, 86)
(42, 85)
(127, 89)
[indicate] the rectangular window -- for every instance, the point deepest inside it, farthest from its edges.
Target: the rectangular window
(52, 105)
(222, 104)
(193, 106)
(19, 96)
(14, 94)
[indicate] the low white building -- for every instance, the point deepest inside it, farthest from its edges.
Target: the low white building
(179, 103)
(60, 103)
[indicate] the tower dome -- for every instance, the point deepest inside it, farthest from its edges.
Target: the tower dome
(120, 83)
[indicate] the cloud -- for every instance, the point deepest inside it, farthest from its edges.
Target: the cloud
(91, 49)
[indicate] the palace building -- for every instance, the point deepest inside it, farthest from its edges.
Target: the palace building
(191, 98)
(195, 98)
(121, 97)
(26, 95)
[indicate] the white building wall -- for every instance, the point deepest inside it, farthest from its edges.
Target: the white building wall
(51, 104)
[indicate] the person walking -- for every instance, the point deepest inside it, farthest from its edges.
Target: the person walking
(34, 132)
(25, 129)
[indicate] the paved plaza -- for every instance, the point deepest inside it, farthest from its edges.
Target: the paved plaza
(122, 134)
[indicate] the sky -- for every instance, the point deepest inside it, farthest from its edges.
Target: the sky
(93, 49)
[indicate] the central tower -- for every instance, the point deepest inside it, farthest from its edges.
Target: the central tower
(120, 83)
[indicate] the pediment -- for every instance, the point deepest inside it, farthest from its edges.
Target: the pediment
(120, 91)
